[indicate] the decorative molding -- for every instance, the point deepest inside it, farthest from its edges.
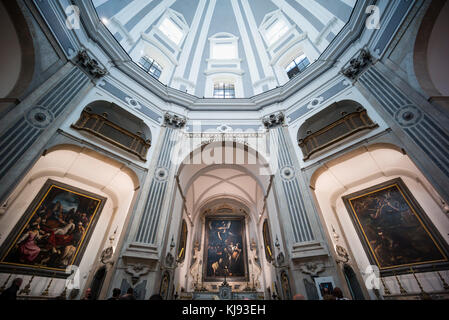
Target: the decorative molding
(136, 271)
(90, 65)
(312, 268)
(273, 120)
(357, 64)
(174, 120)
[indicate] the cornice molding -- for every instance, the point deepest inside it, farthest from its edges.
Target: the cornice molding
(103, 37)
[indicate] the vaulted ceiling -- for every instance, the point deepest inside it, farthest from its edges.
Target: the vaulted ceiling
(266, 36)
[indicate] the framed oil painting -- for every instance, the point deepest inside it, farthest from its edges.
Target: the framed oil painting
(225, 249)
(267, 241)
(395, 231)
(53, 232)
(182, 242)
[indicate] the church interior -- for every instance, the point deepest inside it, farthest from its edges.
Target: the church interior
(225, 149)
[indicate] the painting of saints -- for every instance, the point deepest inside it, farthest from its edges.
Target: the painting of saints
(225, 255)
(53, 231)
(393, 227)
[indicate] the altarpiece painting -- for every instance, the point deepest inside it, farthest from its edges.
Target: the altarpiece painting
(225, 249)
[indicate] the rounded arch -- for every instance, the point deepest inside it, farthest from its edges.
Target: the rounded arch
(375, 146)
(432, 49)
(356, 172)
(119, 116)
(78, 149)
(18, 62)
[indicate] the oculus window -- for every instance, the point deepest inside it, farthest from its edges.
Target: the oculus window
(151, 66)
(224, 90)
(297, 66)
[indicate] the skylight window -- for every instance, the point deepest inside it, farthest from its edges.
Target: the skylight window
(171, 31)
(224, 51)
(274, 32)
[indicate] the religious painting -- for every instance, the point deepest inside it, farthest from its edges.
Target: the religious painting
(225, 249)
(396, 233)
(182, 242)
(53, 232)
(267, 241)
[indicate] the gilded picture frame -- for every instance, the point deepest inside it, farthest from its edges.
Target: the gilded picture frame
(395, 232)
(181, 254)
(267, 241)
(53, 232)
(225, 234)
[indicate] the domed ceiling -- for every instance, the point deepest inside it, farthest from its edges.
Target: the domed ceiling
(224, 48)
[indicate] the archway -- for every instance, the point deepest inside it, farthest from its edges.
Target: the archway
(16, 63)
(359, 173)
(224, 207)
(430, 52)
(78, 173)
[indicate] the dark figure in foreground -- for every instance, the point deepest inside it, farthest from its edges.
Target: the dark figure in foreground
(115, 294)
(11, 292)
(129, 295)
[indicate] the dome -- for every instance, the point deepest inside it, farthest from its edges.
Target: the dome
(224, 48)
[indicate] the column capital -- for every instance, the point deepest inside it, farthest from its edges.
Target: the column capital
(358, 63)
(173, 120)
(90, 65)
(273, 120)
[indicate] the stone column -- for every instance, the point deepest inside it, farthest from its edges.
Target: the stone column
(307, 253)
(421, 128)
(142, 254)
(30, 125)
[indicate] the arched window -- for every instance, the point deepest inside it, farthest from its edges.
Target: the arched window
(274, 28)
(224, 90)
(151, 66)
(298, 65)
(224, 73)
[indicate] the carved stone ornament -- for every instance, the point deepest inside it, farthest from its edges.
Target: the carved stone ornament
(341, 252)
(357, 64)
(90, 65)
(174, 120)
(312, 268)
(169, 260)
(274, 119)
(280, 258)
(106, 255)
(136, 271)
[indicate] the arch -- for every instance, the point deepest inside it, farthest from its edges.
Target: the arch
(18, 62)
(78, 149)
(432, 49)
(353, 284)
(97, 282)
(332, 125)
(374, 146)
(358, 171)
(117, 126)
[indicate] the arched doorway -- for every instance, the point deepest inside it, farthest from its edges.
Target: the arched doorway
(353, 283)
